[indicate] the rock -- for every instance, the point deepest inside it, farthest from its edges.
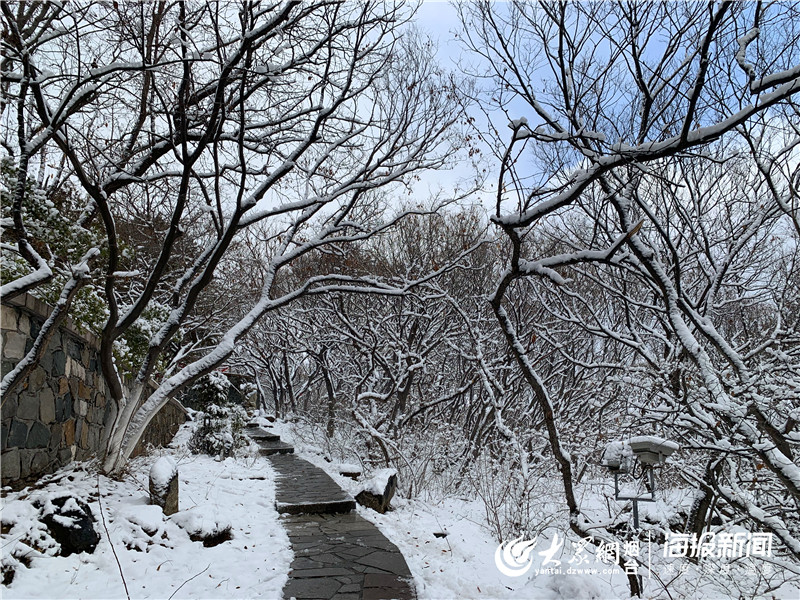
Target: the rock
(348, 470)
(36, 379)
(15, 345)
(10, 461)
(69, 432)
(71, 524)
(8, 318)
(64, 407)
(28, 407)
(17, 434)
(164, 484)
(74, 349)
(10, 404)
(378, 491)
(40, 462)
(38, 436)
(59, 363)
(204, 524)
(47, 406)
(24, 323)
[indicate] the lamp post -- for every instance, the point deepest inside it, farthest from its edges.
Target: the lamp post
(650, 451)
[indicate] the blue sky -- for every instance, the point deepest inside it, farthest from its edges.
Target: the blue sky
(439, 19)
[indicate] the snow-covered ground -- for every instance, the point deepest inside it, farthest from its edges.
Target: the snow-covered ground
(462, 564)
(159, 560)
(155, 553)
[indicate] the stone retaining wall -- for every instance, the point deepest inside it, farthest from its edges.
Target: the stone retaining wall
(162, 428)
(58, 414)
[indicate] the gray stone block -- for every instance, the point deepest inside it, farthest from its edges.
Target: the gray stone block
(10, 406)
(47, 406)
(64, 456)
(74, 349)
(36, 380)
(64, 408)
(94, 437)
(46, 362)
(79, 425)
(56, 435)
(17, 434)
(3, 435)
(81, 407)
(24, 324)
(59, 363)
(8, 318)
(38, 436)
(10, 464)
(41, 461)
(25, 458)
(28, 407)
(14, 345)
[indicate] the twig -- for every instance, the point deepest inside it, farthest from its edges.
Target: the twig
(108, 535)
(188, 580)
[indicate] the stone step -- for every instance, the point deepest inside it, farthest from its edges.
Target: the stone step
(262, 435)
(306, 489)
(270, 448)
(332, 507)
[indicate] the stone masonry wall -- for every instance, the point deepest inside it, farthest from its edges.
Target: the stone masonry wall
(162, 428)
(59, 412)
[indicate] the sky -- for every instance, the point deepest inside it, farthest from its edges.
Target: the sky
(439, 19)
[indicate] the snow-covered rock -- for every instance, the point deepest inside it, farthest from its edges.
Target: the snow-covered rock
(164, 484)
(71, 523)
(377, 492)
(205, 524)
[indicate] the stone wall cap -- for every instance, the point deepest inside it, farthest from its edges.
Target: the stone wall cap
(43, 310)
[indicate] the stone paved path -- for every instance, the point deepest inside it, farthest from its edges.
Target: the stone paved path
(339, 555)
(344, 557)
(304, 488)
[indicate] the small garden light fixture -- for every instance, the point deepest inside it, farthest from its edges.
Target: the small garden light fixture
(621, 458)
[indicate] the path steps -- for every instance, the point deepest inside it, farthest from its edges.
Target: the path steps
(269, 442)
(305, 489)
(339, 555)
(270, 448)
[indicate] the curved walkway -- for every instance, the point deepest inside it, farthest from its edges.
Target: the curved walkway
(338, 554)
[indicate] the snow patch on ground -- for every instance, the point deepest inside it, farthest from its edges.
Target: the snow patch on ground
(156, 554)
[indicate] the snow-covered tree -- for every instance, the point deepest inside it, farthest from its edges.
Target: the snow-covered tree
(199, 122)
(648, 195)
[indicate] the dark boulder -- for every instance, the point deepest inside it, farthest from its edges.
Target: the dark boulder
(71, 524)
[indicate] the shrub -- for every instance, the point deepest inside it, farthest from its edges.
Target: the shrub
(220, 433)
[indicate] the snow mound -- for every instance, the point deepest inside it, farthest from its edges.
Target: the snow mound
(162, 472)
(378, 482)
(203, 522)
